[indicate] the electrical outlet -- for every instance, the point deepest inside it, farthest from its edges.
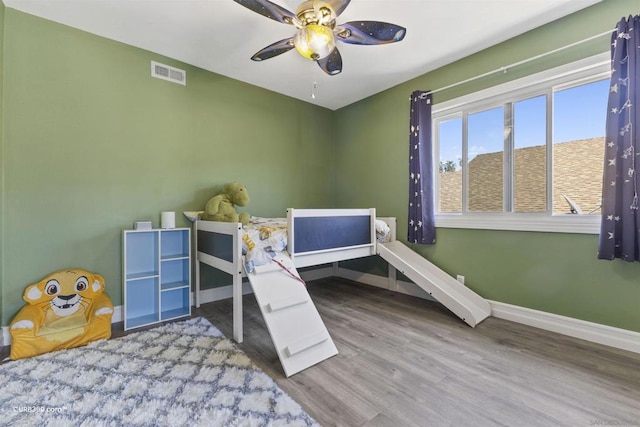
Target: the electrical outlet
(460, 278)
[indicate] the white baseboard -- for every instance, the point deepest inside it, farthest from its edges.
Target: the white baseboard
(117, 314)
(5, 339)
(207, 295)
(225, 292)
(220, 293)
(318, 273)
(589, 331)
(400, 286)
(366, 278)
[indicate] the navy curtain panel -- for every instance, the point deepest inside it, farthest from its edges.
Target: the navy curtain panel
(421, 228)
(620, 227)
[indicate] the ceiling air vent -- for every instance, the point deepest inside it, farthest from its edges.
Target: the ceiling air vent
(165, 72)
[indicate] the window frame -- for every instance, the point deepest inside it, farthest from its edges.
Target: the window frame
(545, 83)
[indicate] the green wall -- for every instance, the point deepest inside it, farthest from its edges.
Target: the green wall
(552, 272)
(2, 11)
(92, 143)
(89, 143)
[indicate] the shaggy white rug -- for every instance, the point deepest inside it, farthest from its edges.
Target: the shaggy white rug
(179, 374)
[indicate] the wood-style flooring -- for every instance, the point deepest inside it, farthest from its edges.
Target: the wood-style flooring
(404, 361)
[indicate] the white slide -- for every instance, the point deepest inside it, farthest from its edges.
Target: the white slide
(300, 337)
(462, 301)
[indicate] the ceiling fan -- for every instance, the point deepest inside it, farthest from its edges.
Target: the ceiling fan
(317, 31)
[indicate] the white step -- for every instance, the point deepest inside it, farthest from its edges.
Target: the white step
(298, 333)
(462, 301)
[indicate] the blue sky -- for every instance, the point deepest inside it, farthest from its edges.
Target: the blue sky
(579, 113)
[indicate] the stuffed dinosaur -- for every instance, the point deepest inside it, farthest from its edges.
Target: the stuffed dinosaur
(221, 207)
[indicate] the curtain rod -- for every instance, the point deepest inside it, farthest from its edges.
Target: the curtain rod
(515, 64)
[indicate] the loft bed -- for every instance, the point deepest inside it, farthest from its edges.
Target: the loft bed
(313, 237)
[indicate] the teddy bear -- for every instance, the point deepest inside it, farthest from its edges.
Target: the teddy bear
(221, 206)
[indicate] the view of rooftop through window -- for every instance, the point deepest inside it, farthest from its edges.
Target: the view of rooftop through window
(577, 145)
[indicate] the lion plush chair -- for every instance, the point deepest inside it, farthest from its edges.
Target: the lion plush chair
(66, 309)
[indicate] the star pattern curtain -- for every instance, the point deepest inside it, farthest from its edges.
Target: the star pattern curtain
(421, 219)
(620, 227)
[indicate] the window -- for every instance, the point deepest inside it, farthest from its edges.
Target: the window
(530, 154)
(485, 158)
(526, 155)
(450, 165)
(578, 146)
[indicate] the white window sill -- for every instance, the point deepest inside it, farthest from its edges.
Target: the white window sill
(569, 223)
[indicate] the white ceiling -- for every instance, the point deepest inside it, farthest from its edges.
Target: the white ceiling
(221, 35)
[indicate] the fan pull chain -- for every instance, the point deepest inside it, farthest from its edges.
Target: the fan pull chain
(313, 89)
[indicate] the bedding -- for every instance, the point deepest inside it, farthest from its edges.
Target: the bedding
(383, 231)
(264, 238)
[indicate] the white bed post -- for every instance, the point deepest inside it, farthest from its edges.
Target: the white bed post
(290, 231)
(372, 227)
(237, 286)
(392, 282)
(196, 264)
(392, 274)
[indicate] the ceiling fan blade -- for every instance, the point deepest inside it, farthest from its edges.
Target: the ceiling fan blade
(338, 6)
(270, 10)
(369, 32)
(331, 64)
(274, 49)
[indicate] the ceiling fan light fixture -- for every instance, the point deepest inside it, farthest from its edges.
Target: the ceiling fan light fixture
(314, 42)
(315, 12)
(315, 38)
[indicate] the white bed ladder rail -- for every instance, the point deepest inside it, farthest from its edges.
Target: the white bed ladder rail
(306, 343)
(282, 303)
(298, 333)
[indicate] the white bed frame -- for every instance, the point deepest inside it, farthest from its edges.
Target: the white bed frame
(219, 245)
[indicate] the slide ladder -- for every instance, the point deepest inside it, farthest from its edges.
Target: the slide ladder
(462, 301)
(300, 337)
